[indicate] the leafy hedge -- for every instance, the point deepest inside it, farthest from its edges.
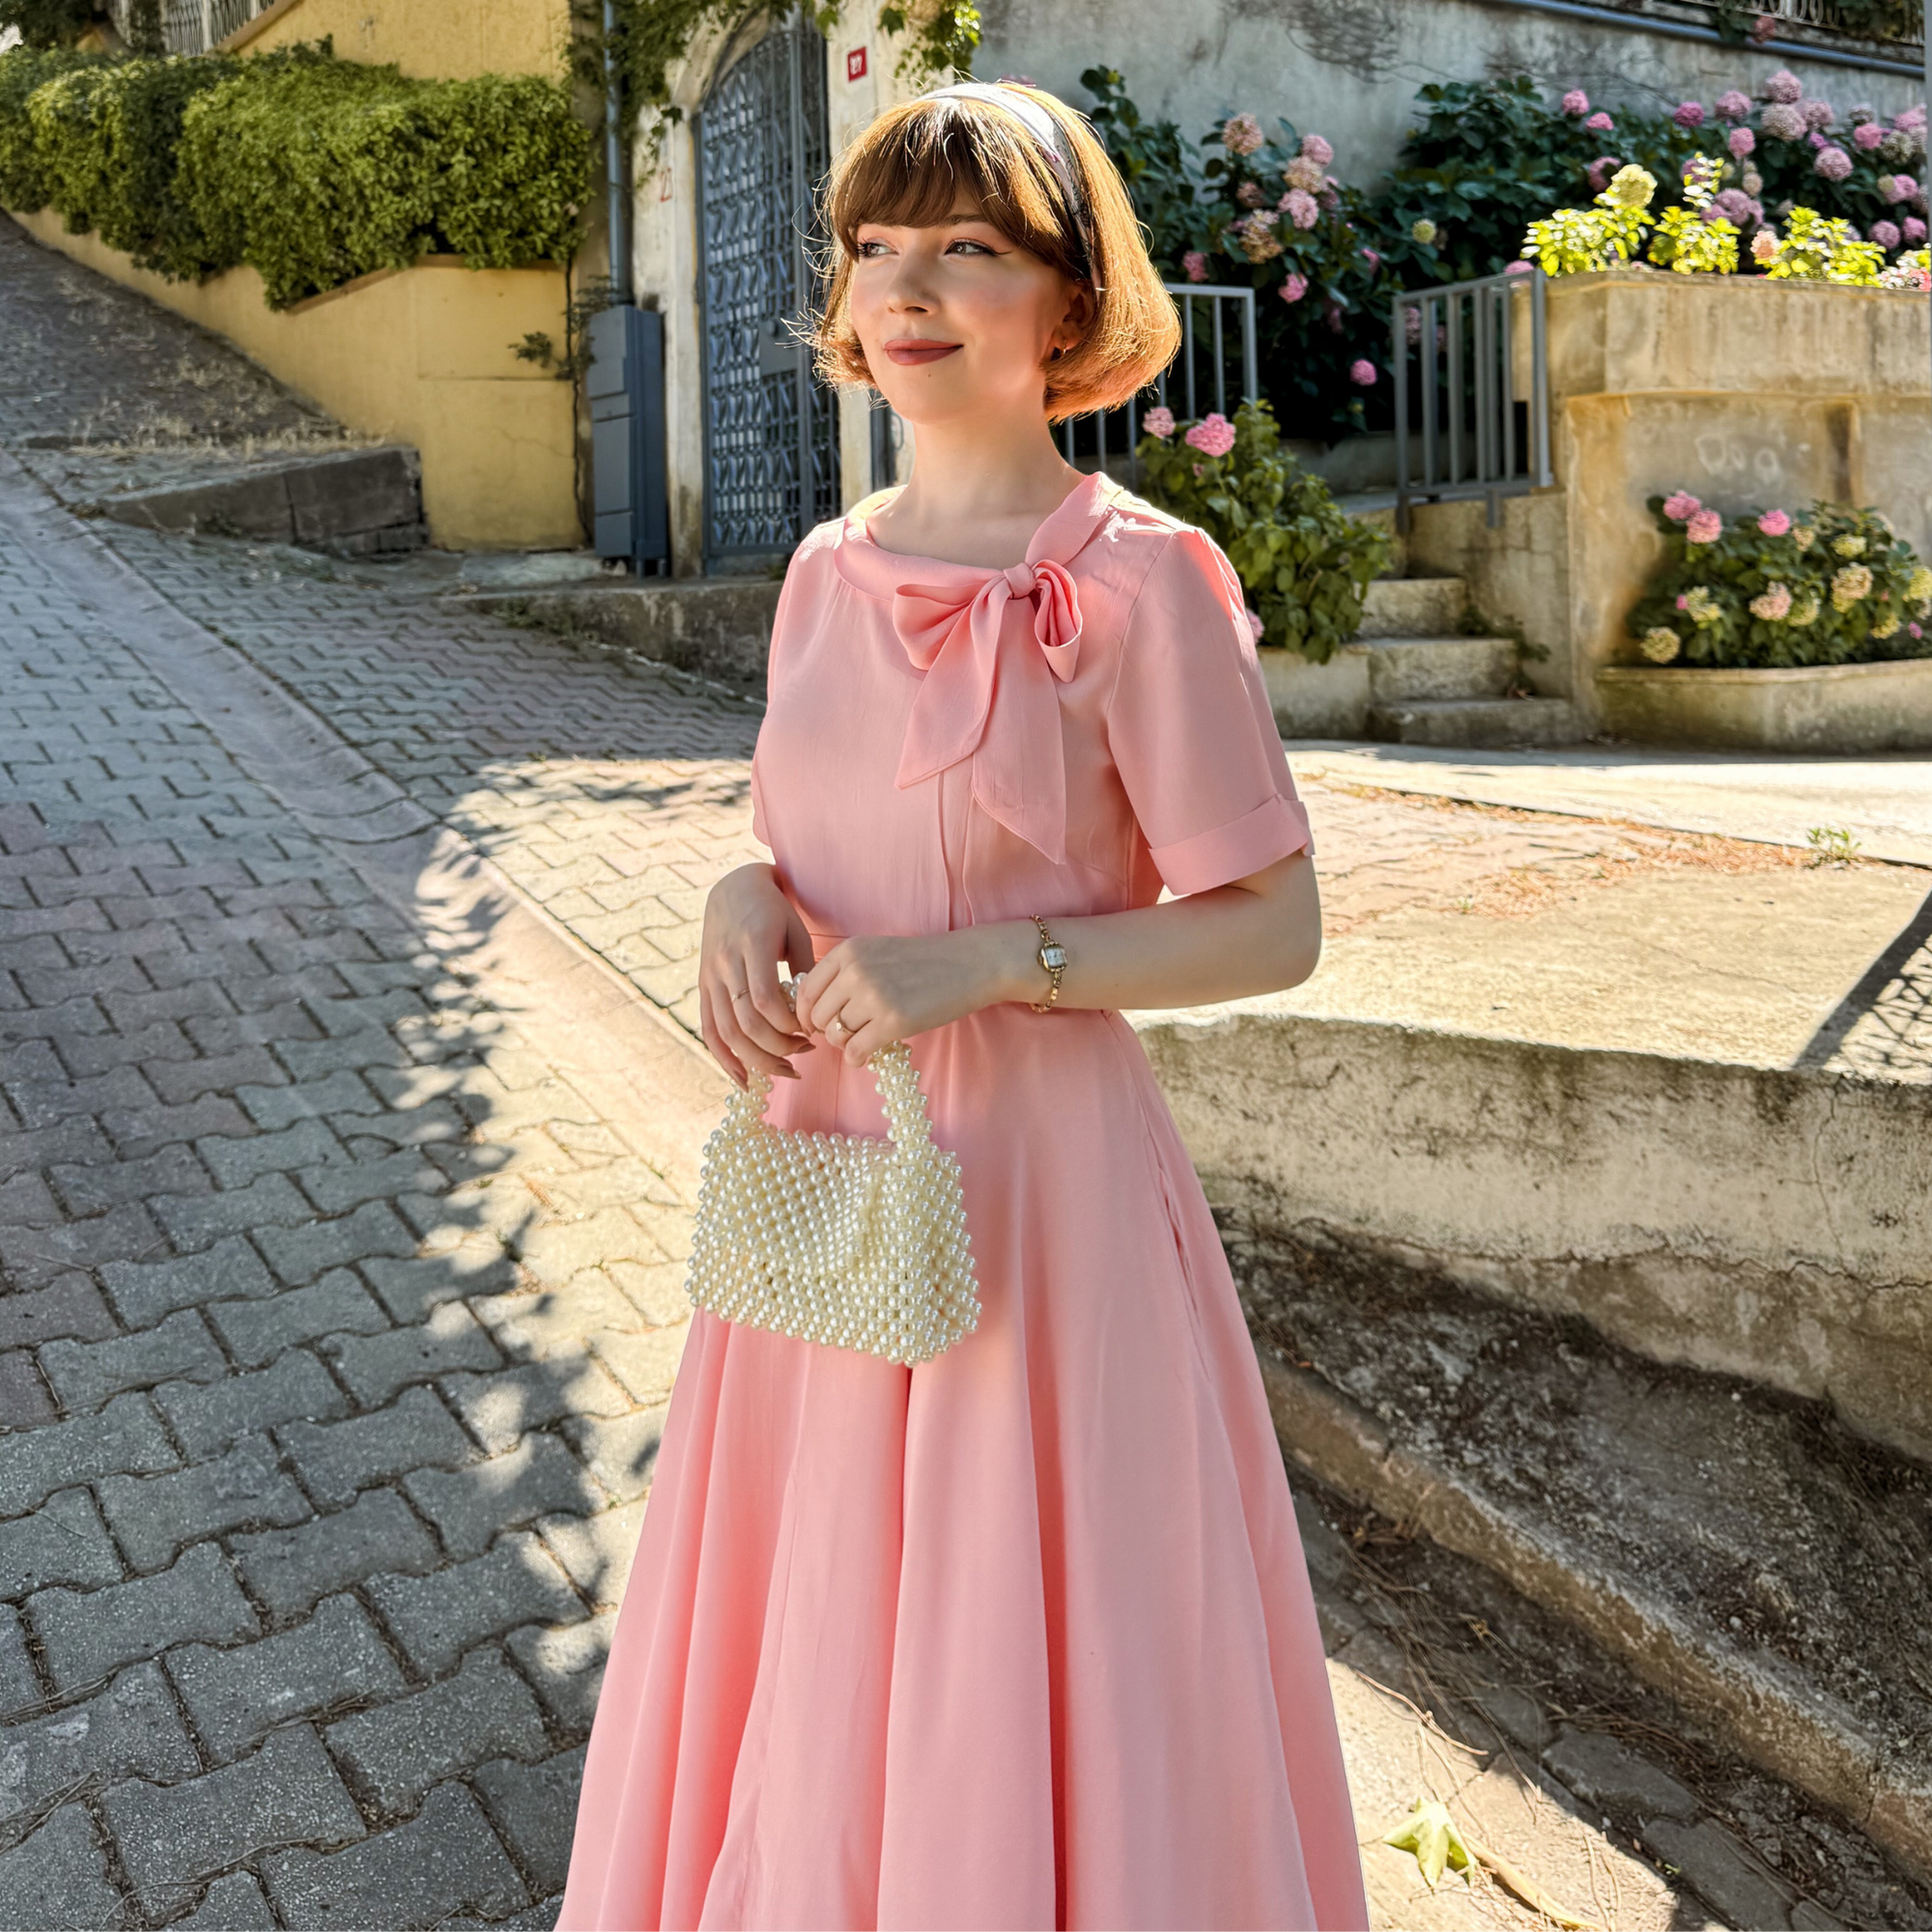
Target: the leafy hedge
(1305, 564)
(310, 169)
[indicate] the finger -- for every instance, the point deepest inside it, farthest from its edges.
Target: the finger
(755, 1027)
(874, 1036)
(707, 1027)
(815, 1001)
(743, 1047)
(766, 999)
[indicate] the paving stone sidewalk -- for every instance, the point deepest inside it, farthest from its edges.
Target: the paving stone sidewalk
(339, 1314)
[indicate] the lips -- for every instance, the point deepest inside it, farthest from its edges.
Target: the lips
(913, 351)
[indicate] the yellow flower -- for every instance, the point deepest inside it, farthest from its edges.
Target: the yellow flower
(1849, 546)
(1631, 186)
(1850, 586)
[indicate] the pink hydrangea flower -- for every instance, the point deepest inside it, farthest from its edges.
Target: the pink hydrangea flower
(1301, 208)
(1773, 606)
(1764, 245)
(1867, 136)
(1915, 229)
(1250, 194)
(1902, 187)
(1832, 163)
(1762, 28)
(1704, 526)
(1293, 287)
(1600, 172)
(1213, 436)
(1682, 601)
(1917, 633)
(1317, 150)
(1255, 625)
(1736, 207)
(1733, 105)
(1681, 506)
(1886, 235)
(1773, 522)
(1520, 269)
(1816, 140)
(1158, 423)
(1741, 141)
(1575, 101)
(1910, 121)
(1784, 85)
(1363, 372)
(1784, 121)
(1600, 124)
(1819, 115)
(1241, 134)
(1194, 266)
(1688, 114)
(1374, 260)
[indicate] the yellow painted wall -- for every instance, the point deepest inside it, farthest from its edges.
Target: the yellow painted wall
(420, 356)
(433, 40)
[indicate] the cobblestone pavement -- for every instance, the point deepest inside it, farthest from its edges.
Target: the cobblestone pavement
(340, 1306)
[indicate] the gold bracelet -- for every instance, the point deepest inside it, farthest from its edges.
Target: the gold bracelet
(1052, 957)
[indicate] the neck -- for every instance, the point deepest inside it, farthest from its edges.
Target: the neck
(979, 490)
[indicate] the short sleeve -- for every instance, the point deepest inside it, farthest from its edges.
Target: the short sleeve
(1191, 730)
(775, 655)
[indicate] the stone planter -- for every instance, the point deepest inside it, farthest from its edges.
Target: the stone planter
(1827, 708)
(1749, 393)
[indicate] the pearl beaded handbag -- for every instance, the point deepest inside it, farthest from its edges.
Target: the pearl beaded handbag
(841, 1239)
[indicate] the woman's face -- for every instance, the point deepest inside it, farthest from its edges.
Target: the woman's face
(956, 320)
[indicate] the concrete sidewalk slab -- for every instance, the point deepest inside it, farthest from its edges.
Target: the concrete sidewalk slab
(1884, 803)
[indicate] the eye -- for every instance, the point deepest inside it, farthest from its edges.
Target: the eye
(966, 244)
(871, 250)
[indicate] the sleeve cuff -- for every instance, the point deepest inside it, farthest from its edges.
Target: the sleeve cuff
(1275, 828)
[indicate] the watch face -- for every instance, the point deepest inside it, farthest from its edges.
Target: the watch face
(1053, 957)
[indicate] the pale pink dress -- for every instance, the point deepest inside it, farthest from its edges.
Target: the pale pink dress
(1021, 1637)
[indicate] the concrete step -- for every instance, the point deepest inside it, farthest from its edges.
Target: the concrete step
(1414, 607)
(1404, 669)
(718, 628)
(1739, 1550)
(1490, 724)
(349, 502)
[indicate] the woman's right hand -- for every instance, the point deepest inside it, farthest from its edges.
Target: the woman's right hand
(749, 926)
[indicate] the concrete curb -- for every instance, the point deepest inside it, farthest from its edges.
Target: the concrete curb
(1768, 1712)
(1757, 1221)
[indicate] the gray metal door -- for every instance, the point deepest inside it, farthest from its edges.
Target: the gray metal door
(771, 428)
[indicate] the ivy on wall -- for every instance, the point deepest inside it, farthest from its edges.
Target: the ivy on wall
(310, 169)
(649, 38)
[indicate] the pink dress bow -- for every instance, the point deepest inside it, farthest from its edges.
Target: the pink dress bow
(990, 661)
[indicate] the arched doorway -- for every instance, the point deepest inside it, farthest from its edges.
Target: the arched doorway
(771, 428)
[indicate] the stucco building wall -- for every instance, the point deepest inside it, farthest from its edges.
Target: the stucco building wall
(1349, 69)
(432, 40)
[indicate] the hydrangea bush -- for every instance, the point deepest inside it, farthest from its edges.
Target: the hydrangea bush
(1832, 585)
(1251, 209)
(1306, 565)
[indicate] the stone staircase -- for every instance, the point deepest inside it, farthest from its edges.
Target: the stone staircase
(1428, 683)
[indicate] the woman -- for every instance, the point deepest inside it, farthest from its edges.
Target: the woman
(1021, 1637)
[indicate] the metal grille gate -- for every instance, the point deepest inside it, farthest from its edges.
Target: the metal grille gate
(770, 429)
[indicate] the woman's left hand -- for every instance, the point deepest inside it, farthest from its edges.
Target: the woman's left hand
(867, 993)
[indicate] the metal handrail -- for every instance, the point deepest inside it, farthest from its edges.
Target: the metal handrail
(1186, 295)
(1463, 407)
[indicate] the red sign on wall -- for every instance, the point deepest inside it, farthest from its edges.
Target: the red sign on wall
(855, 63)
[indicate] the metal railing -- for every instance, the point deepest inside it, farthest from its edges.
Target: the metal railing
(1221, 348)
(1471, 407)
(192, 26)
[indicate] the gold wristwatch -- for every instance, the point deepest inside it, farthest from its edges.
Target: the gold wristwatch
(1052, 957)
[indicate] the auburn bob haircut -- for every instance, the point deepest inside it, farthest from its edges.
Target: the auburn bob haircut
(909, 169)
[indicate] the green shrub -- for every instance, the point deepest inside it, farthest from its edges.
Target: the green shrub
(313, 170)
(23, 71)
(1305, 564)
(382, 170)
(1831, 585)
(48, 23)
(108, 134)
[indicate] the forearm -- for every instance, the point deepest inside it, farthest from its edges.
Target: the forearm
(1256, 936)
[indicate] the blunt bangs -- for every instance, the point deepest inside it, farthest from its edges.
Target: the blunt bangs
(916, 163)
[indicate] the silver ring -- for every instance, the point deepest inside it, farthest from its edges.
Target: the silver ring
(743, 993)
